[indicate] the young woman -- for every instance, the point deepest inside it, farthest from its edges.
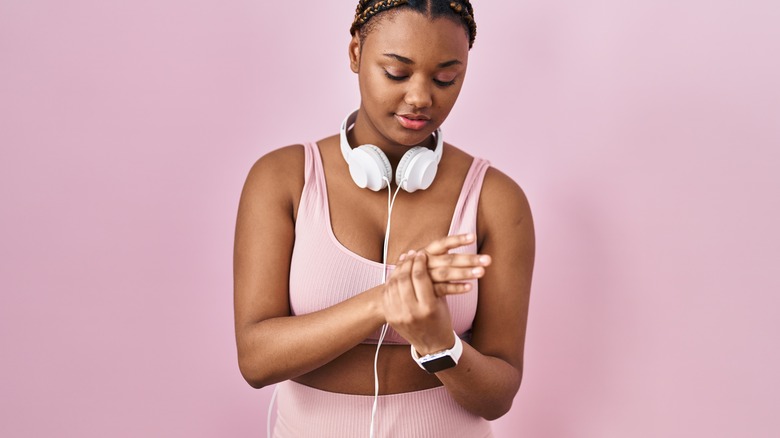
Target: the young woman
(312, 287)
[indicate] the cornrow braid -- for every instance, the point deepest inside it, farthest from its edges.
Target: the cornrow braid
(467, 13)
(362, 17)
(366, 10)
(360, 6)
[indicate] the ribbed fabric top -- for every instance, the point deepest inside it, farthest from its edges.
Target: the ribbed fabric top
(323, 272)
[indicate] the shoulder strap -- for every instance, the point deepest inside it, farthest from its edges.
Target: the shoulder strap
(314, 193)
(465, 217)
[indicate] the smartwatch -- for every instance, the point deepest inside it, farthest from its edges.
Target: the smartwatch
(442, 360)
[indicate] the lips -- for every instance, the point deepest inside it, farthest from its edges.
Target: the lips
(414, 122)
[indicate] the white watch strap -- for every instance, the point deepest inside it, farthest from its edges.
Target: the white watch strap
(455, 352)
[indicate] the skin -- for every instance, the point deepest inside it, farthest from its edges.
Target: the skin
(323, 349)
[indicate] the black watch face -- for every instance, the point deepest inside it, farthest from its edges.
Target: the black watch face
(439, 364)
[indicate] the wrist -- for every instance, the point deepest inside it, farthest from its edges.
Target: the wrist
(436, 347)
(376, 304)
(440, 360)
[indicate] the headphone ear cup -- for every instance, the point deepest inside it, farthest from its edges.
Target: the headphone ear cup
(369, 167)
(417, 169)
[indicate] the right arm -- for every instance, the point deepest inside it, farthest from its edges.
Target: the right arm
(272, 346)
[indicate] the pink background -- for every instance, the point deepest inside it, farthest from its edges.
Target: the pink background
(645, 134)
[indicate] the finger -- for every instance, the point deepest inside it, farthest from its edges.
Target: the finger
(443, 245)
(399, 291)
(444, 289)
(458, 260)
(423, 286)
(403, 281)
(440, 275)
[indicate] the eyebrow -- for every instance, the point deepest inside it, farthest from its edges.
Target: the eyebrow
(408, 61)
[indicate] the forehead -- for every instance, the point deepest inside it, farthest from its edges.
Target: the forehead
(413, 35)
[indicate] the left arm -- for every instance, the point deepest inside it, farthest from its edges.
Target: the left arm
(489, 372)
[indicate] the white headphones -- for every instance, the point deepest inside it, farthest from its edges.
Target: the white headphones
(371, 169)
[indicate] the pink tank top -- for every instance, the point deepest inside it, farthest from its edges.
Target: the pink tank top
(323, 272)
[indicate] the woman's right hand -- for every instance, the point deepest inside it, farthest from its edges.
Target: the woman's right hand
(450, 272)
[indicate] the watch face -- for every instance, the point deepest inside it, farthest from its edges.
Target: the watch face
(439, 364)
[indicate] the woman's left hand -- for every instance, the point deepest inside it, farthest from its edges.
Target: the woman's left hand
(413, 309)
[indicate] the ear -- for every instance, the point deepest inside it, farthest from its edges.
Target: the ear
(354, 53)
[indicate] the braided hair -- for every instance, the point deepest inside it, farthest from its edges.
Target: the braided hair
(456, 9)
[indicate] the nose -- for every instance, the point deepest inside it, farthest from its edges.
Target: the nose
(418, 94)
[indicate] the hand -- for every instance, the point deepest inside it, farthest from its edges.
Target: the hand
(413, 309)
(449, 271)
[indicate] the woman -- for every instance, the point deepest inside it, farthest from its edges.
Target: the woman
(311, 295)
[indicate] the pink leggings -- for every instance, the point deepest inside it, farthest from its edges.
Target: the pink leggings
(303, 411)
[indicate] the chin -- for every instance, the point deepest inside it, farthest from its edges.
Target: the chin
(411, 141)
(408, 137)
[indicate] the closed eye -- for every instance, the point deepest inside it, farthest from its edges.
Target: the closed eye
(443, 83)
(394, 78)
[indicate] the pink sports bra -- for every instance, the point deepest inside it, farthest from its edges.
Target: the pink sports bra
(323, 272)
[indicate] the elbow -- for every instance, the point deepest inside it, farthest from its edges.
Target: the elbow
(254, 383)
(256, 376)
(255, 366)
(252, 379)
(501, 407)
(497, 411)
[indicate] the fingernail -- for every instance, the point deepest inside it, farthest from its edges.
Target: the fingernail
(469, 236)
(403, 256)
(477, 271)
(484, 259)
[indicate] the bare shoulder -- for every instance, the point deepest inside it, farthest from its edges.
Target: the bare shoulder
(498, 187)
(503, 205)
(278, 166)
(278, 174)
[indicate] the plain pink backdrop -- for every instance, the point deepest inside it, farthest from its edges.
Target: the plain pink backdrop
(646, 135)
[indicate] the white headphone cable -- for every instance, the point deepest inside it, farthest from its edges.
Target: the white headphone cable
(270, 408)
(390, 204)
